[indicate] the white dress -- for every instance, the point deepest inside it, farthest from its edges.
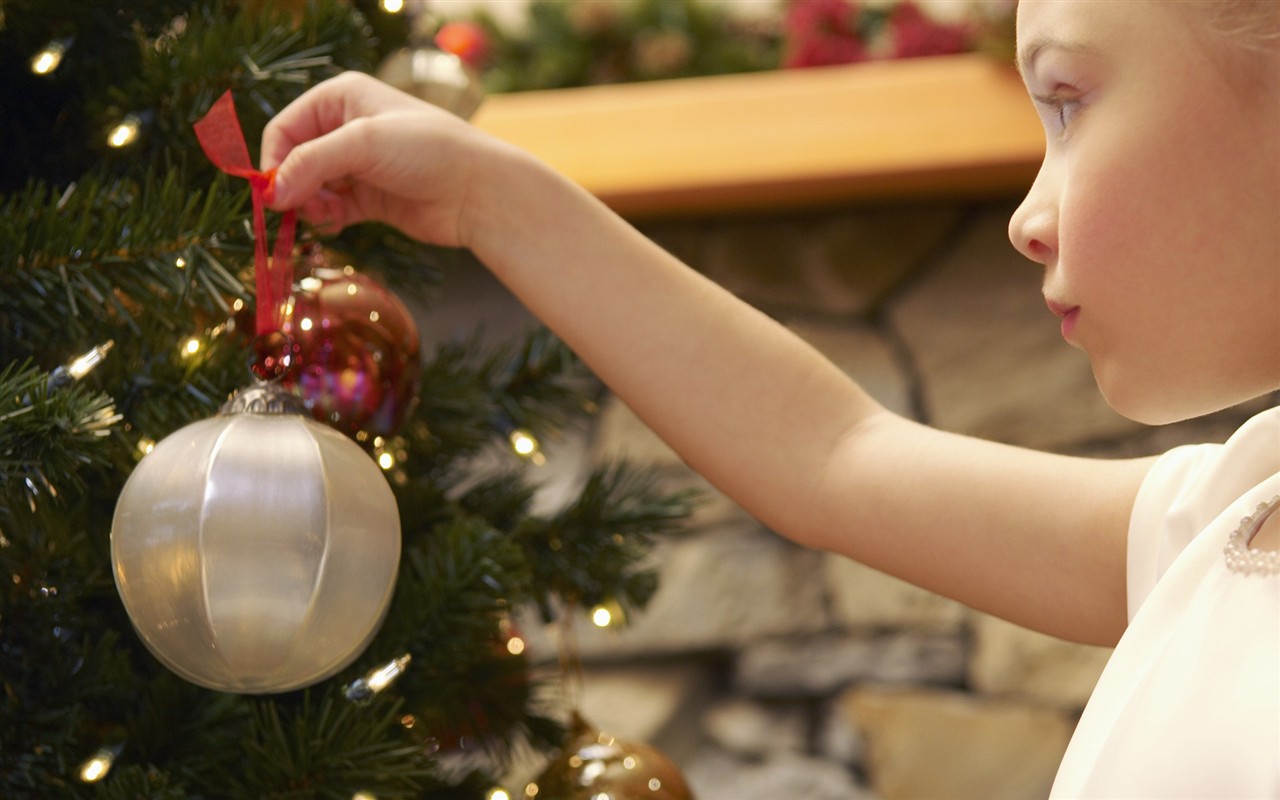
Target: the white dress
(1189, 703)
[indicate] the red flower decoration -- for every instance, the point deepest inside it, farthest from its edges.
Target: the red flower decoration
(822, 32)
(466, 40)
(915, 34)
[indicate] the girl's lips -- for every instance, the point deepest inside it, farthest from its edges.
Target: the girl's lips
(1069, 314)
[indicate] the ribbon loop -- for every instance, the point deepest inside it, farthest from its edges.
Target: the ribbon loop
(223, 143)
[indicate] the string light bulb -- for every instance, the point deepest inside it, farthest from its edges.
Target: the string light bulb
(125, 132)
(96, 767)
(47, 61)
(377, 679)
(515, 645)
(392, 6)
(607, 615)
(78, 367)
(526, 445)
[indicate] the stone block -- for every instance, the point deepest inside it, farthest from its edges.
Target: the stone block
(715, 775)
(836, 739)
(719, 590)
(840, 262)
(1010, 660)
(755, 730)
(659, 704)
(821, 665)
(862, 597)
(989, 354)
(942, 745)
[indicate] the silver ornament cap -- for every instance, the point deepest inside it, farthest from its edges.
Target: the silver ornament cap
(431, 74)
(256, 551)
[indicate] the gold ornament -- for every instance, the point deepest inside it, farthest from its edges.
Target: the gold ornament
(595, 765)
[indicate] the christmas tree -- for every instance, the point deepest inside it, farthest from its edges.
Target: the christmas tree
(125, 260)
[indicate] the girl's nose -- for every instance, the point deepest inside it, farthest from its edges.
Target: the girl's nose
(1033, 229)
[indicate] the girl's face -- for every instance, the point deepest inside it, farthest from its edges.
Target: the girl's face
(1156, 213)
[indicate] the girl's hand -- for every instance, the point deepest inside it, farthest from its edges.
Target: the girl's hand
(354, 149)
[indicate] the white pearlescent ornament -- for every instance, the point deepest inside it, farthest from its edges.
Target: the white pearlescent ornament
(256, 551)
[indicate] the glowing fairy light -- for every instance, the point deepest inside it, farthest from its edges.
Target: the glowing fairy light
(523, 443)
(146, 445)
(386, 460)
(392, 6)
(364, 796)
(377, 679)
(84, 364)
(384, 676)
(306, 324)
(498, 793)
(515, 645)
(180, 262)
(97, 766)
(48, 59)
(608, 614)
(124, 133)
(601, 617)
(190, 347)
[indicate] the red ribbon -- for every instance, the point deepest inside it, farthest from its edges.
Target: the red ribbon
(223, 142)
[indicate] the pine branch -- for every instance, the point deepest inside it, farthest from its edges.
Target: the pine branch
(595, 550)
(195, 733)
(91, 259)
(454, 589)
(47, 437)
(327, 747)
(469, 398)
(134, 782)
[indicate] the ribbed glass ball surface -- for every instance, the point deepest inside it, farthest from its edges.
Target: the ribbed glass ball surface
(256, 553)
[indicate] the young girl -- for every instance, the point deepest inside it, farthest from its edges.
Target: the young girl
(1156, 217)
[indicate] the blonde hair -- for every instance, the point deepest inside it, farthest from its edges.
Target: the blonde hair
(1251, 24)
(1242, 37)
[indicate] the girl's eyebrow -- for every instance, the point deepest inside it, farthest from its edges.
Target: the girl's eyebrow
(1027, 55)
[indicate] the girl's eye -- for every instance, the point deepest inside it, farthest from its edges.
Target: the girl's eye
(1063, 109)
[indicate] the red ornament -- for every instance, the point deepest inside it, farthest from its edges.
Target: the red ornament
(356, 348)
(466, 40)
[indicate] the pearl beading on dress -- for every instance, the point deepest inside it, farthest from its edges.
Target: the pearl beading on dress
(1240, 557)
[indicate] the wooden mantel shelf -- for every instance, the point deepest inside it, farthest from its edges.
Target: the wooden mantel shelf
(945, 126)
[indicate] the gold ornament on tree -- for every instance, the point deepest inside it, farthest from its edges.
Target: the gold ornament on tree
(595, 764)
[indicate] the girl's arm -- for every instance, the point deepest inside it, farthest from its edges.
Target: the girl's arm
(1035, 538)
